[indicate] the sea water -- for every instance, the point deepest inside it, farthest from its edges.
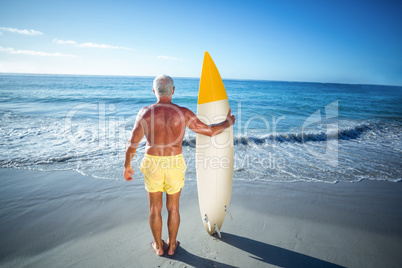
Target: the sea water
(284, 131)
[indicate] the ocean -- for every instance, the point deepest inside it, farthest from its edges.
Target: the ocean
(284, 132)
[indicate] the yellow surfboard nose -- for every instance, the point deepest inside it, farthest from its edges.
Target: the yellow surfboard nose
(211, 85)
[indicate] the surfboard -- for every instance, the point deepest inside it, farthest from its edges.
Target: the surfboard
(214, 155)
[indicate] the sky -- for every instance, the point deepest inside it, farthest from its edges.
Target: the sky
(353, 41)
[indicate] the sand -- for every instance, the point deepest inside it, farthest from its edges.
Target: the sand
(65, 219)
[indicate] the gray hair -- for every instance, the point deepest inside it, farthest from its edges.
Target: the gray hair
(163, 85)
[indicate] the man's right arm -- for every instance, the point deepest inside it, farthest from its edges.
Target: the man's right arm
(132, 144)
(199, 127)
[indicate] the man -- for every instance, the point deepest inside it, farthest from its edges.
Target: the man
(163, 124)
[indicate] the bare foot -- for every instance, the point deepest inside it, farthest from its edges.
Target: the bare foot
(158, 248)
(172, 248)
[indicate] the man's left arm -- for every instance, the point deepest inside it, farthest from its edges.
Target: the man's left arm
(132, 144)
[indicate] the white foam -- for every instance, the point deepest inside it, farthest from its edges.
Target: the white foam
(369, 150)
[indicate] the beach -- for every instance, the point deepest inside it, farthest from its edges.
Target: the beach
(310, 171)
(316, 181)
(65, 219)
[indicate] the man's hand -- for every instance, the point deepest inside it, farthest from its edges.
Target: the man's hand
(128, 171)
(230, 117)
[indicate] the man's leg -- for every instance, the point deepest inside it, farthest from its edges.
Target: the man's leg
(172, 205)
(155, 220)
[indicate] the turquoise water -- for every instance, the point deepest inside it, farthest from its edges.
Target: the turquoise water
(285, 131)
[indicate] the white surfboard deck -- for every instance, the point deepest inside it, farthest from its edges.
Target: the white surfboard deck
(214, 155)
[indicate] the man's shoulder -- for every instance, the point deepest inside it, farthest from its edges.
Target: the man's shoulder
(182, 108)
(175, 106)
(185, 111)
(142, 112)
(147, 109)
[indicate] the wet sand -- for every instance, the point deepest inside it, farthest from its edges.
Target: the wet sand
(62, 218)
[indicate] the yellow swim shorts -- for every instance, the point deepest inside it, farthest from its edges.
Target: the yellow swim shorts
(163, 173)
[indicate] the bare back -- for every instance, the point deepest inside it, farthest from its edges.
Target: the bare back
(164, 126)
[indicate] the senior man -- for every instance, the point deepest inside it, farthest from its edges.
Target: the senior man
(163, 124)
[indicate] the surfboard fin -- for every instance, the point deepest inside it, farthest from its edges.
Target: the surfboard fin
(207, 220)
(228, 212)
(217, 231)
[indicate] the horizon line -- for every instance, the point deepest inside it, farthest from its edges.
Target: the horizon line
(192, 77)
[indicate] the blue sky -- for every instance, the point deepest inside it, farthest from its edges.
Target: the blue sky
(316, 41)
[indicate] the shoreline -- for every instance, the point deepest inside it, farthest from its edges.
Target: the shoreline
(63, 218)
